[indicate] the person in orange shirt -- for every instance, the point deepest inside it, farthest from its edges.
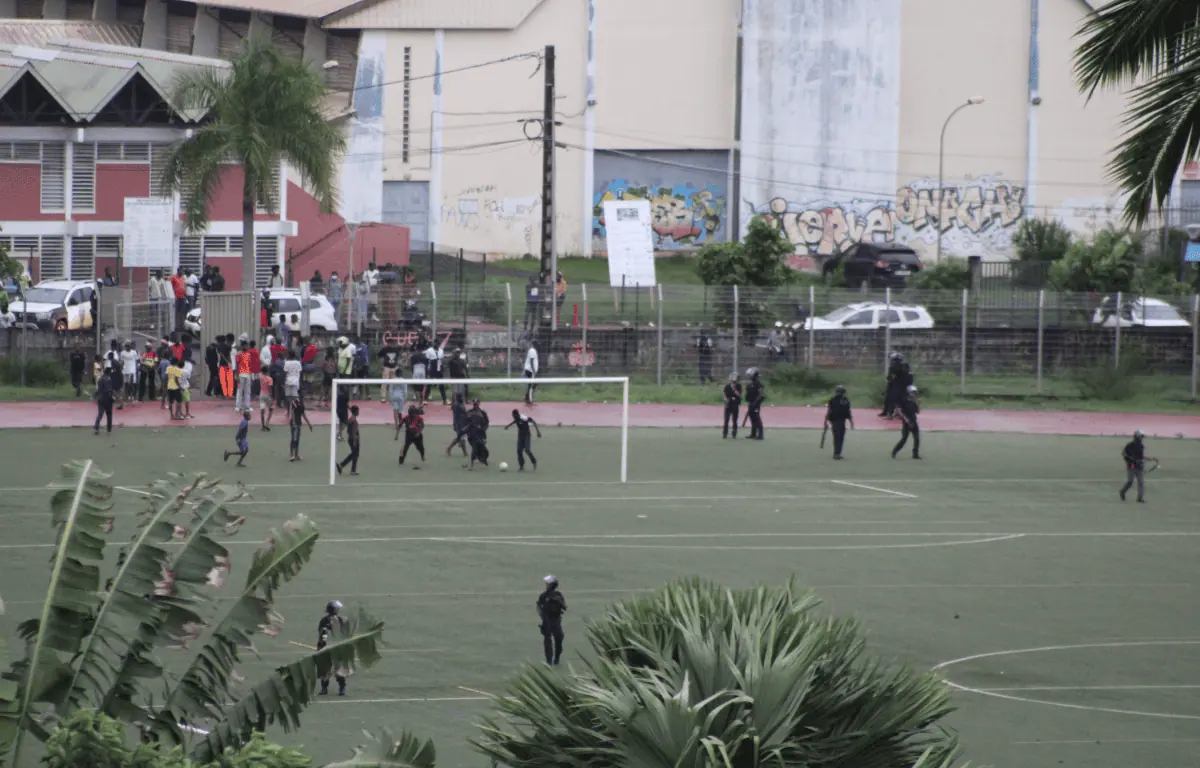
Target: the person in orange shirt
(245, 379)
(179, 287)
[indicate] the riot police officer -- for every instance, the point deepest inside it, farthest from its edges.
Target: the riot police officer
(755, 394)
(325, 628)
(732, 396)
(837, 413)
(551, 605)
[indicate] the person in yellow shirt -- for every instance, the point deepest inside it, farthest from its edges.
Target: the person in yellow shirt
(174, 391)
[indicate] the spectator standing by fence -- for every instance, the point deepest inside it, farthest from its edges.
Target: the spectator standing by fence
(316, 283)
(276, 279)
(179, 290)
(335, 292)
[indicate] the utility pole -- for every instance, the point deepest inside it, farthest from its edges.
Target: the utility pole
(549, 252)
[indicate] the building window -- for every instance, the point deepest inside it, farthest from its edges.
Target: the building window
(158, 161)
(52, 263)
(83, 178)
(266, 255)
(54, 177)
(191, 254)
(262, 205)
(83, 258)
(20, 152)
(404, 124)
(124, 152)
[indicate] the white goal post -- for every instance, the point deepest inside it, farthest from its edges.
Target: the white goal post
(511, 382)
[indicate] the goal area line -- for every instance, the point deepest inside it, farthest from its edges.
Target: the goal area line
(510, 382)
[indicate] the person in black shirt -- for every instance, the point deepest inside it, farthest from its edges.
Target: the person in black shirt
(352, 439)
(458, 370)
(477, 425)
(755, 394)
(1135, 466)
(459, 411)
(908, 408)
(389, 361)
(325, 627)
(299, 417)
(704, 356)
(414, 430)
(104, 402)
(837, 413)
(733, 399)
(77, 361)
(551, 605)
(524, 439)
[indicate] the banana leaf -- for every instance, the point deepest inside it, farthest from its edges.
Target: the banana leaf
(388, 751)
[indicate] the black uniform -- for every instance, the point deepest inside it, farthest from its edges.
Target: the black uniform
(837, 413)
(104, 402)
(908, 412)
(1135, 463)
(551, 605)
(459, 412)
(733, 400)
(477, 425)
(704, 355)
(324, 630)
(755, 394)
(524, 439)
(894, 392)
(77, 361)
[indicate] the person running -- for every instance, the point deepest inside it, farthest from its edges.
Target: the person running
(266, 400)
(524, 439)
(129, 370)
(299, 417)
(104, 403)
(242, 438)
(459, 412)
(477, 426)
(414, 434)
(1135, 466)
(324, 634)
(352, 439)
(174, 393)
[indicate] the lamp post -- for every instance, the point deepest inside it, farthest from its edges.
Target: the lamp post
(941, 171)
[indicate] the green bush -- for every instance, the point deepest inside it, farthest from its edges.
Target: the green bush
(1041, 240)
(39, 371)
(798, 378)
(949, 275)
(1108, 382)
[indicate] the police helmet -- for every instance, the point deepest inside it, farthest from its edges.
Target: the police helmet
(1138, 433)
(551, 580)
(751, 372)
(912, 390)
(333, 606)
(840, 389)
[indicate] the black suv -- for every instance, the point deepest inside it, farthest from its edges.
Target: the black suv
(883, 265)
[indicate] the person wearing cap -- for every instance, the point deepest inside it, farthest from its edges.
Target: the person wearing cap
(732, 395)
(325, 627)
(837, 413)
(551, 605)
(908, 408)
(755, 394)
(1135, 466)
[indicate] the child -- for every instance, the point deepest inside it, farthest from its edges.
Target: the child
(299, 417)
(174, 393)
(352, 439)
(524, 440)
(242, 438)
(413, 434)
(266, 400)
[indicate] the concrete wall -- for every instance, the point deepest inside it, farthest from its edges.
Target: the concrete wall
(687, 189)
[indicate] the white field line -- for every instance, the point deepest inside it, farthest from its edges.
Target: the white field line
(1018, 689)
(872, 488)
(549, 499)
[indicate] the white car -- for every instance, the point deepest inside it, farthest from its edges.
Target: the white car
(321, 315)
(870, 315)
(1139, 313)
(60, 305)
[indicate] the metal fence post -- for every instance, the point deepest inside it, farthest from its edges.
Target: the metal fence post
(962, 352)
(509, 333)
(433, 295)
(25, 326)
(736, 330)
(1117, 344)
(1195, 343)
(660, 333)
(583, 358)
(887, 327)
(1041, 331)
(812, 324)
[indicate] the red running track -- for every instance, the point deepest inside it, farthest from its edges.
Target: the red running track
(210, 413)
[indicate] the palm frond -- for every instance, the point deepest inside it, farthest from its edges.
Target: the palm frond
(202, 691)
(1131, 39)
(193, 169)
(283, 696)
(83, 515)
(9, 691)
(390, 751)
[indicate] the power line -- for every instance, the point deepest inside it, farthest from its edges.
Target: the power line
(515, 57)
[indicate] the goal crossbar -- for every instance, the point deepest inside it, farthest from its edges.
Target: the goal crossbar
(622, 380)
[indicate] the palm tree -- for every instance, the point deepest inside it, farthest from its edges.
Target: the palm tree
(264, 108)
(700, 675)
(93, 645)
(1151, 47)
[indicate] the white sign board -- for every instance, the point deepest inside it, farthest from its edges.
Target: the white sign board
(149, 233)
(630, 243)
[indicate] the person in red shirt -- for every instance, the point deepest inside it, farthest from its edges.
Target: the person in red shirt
(177, 350)
(179, 287)
(414, 424)
(308, 361)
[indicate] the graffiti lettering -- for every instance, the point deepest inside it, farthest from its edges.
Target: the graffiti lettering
(978, 216)
(409, 338)
(682, 216)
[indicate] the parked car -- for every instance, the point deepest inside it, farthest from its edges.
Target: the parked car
(869, 315)
(284, 301)
(1139, 313)
(60, 305)
(882, 265)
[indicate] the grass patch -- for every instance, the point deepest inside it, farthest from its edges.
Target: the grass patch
(669, 270)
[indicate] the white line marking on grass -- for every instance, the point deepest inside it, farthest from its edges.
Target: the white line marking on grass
(717, 547)
(872, 488)
(1102, 742)
(1018, 689)
(541, 499)
(132, 490)
(1059, 704)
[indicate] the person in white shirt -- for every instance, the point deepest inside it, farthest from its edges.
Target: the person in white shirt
(185, 388)
(292, 369)
(433, 370)
(156, 288)
(129, 366)
(191, 287)
(276, 279)
(371, 276)
(531, 370)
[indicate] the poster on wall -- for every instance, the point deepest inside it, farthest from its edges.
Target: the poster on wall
(630, 243)
(149, 233)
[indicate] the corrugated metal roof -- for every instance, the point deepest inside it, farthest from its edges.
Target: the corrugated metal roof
(39, 33)
(10, 70)
(138, 54)
(305, 9)
(434, 14)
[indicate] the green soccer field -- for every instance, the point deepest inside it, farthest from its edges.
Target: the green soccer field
(1067, 618)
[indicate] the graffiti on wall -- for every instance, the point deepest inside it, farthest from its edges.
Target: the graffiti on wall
(682, 216)
(974, 217)
(510, 222)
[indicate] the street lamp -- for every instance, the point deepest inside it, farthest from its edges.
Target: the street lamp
(941, 167)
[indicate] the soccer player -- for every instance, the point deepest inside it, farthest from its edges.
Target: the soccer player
(324, 631)
(459, 411)
(352, 439)
(551, 605)
(1135, 465)
(733, 399)
(524, 439)
(837, 413)
(414, 424)
(908, 408)
(299, 417)
(242, 438)
(477, 425)
(266, 400)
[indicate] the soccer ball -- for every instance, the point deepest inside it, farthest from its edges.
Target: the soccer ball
(504, 466)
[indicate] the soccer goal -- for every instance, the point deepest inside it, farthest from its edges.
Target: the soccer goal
(507, 390)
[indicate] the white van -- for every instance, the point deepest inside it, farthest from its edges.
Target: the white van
(59, 305)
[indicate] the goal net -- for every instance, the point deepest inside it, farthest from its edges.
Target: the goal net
(553, 407)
